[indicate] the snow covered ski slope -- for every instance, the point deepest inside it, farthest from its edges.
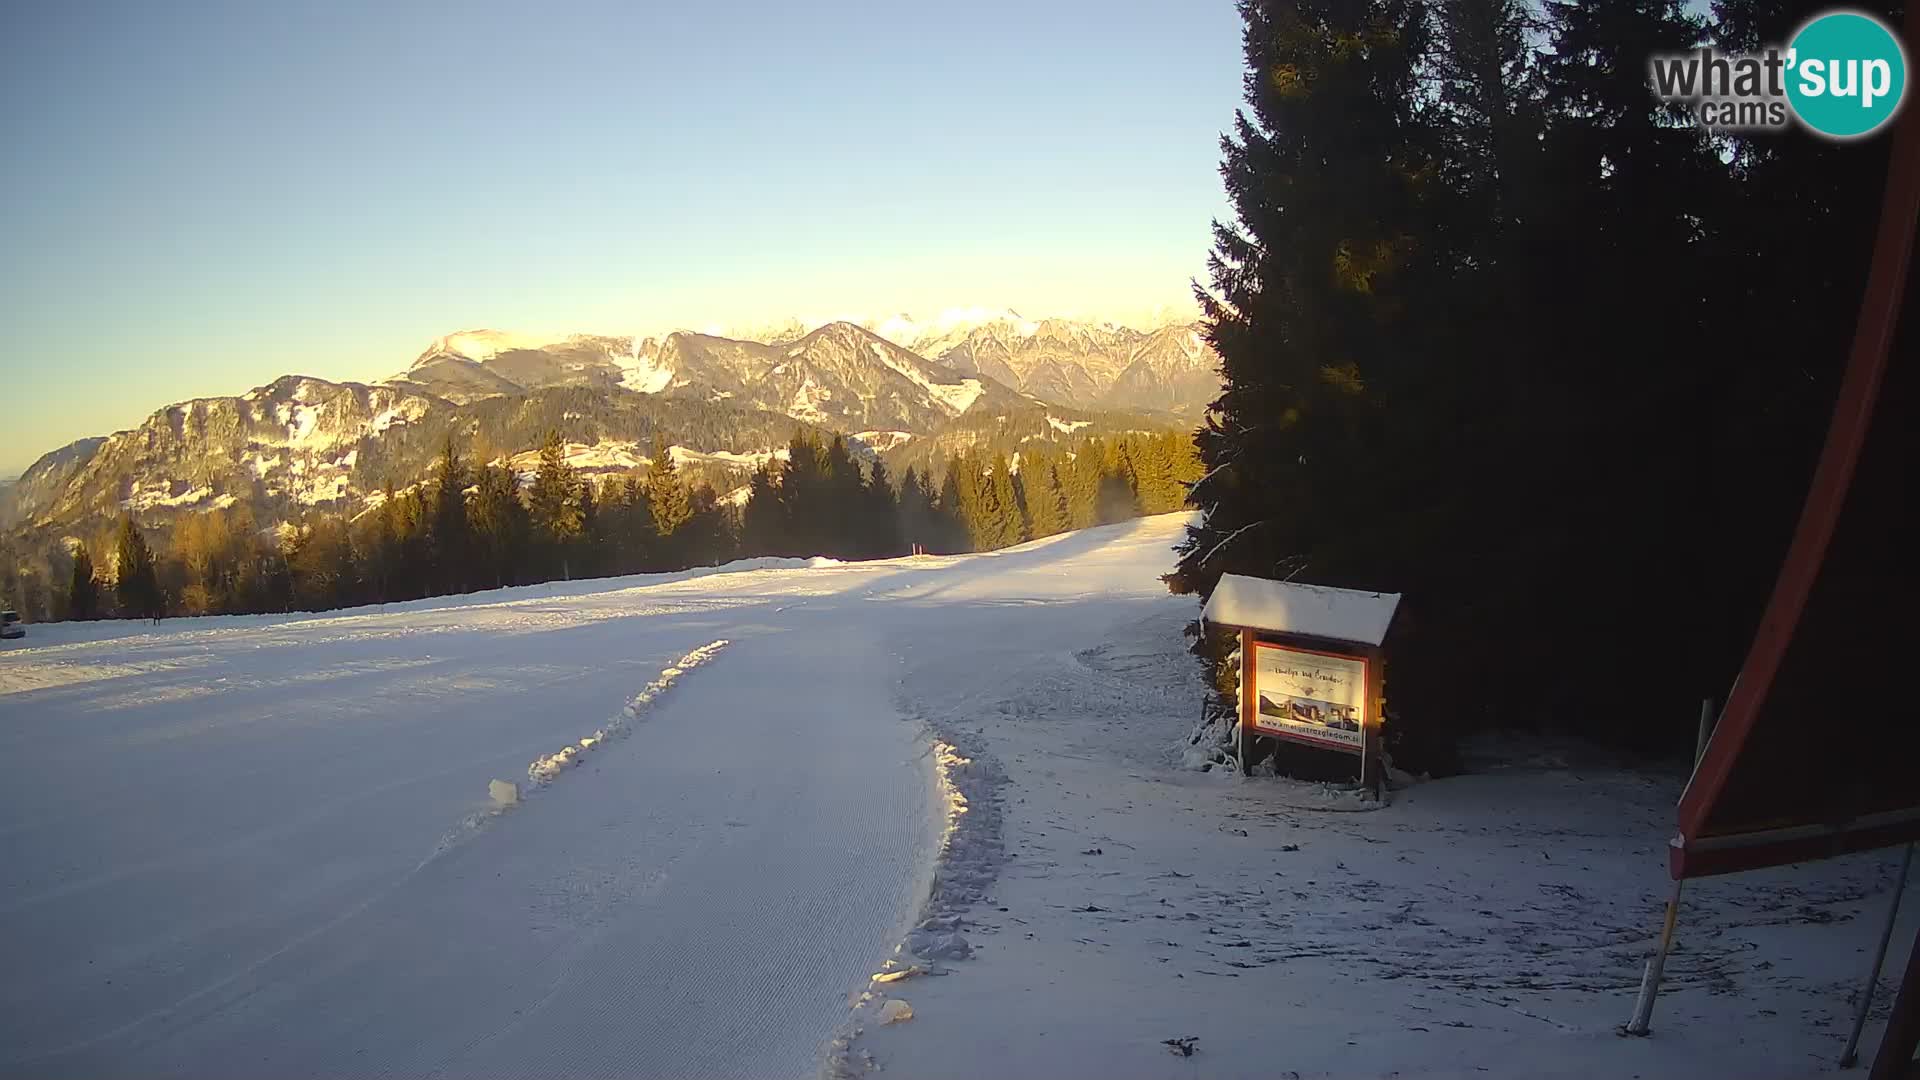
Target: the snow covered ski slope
(253, 847)
(263, 845)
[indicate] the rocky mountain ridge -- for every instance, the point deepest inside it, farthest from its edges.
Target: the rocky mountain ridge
(723, 404)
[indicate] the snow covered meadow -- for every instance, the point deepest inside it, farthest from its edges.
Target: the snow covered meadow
(265, 846)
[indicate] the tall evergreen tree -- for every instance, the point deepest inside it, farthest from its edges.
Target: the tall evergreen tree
(1325, 170)
(918, 514)
(708, 536)
(500, 526)
(450, 539)
(1080, 484)
(1006, 518)
(322, 562)
(1046, 500)
(136, 586)
(553, 503)
(1489, 118)
(763, 529)
(589, 555)
(844, 511)
(880, 516)
(973, 503)
(803, 497)
(667, 494)
(634, 529)
(955, 536)
(83, 593)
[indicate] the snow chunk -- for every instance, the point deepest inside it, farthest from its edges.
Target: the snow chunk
(895, 1011)
(503, 792)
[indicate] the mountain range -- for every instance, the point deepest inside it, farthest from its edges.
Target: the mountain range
(723, 404)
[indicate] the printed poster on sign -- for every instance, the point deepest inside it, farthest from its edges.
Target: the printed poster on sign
(1310, 696)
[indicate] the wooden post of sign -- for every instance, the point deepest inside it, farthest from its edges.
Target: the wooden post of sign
(1373, 760)
(1244, 741)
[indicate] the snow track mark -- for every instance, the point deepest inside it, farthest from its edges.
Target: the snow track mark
(544, 769)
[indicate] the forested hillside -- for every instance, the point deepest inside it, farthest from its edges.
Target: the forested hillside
(474, 525)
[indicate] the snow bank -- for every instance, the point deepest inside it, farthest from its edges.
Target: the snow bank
(544, 769)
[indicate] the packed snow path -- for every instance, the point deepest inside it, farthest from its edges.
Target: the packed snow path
(261, 845)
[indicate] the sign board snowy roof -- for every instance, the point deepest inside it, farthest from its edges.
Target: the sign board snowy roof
(1285, 607)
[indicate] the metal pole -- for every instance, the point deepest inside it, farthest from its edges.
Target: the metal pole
(1650, 982)
(1657, 964)
(1879, 957)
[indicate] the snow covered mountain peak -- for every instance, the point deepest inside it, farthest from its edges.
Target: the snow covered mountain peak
(477, 345)
(1061, 361)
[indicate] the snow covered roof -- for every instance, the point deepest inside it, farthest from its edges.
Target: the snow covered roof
(1286, 607)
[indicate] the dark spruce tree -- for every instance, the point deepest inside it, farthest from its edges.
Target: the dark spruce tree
(500, 526)
(1327, 169)
(136, 584)
(554, 504)
(83, 592)
(880, 516)
(763, 525)
(450, 541)
(670, 501)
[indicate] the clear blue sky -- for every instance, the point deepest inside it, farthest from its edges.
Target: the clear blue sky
(196, 199)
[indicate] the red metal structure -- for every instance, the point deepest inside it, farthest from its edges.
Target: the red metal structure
(1814, 753)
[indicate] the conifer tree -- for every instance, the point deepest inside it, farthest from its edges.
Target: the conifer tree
(136, 586)
(321, 561)
(844, 510)
(634, 529)
(589, 555)
(763, 529)
(450, 540)
(955, 536)
(667, 494)
(802, 494)
(1046, 501)
(973, 503)
(500, 526)
(554, 503)
(1325, 170)
(915, 510)
(83, 594)
(880, 516)
(707, 537)
(1006, 519)
(1081, 485)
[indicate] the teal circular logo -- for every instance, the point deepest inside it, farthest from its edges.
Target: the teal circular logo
(1846, 75)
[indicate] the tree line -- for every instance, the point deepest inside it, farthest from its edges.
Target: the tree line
(467, 527)
(1504, 333)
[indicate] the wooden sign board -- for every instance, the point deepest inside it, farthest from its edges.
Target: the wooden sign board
(1311, 669)
(1316, 695)
(1309, 696)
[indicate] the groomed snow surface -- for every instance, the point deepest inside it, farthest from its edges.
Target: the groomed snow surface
(266, 846)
